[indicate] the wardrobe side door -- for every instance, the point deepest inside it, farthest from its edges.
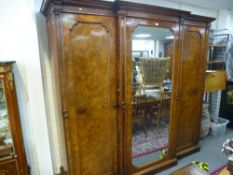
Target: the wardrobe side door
(90, 94)
(192, 85)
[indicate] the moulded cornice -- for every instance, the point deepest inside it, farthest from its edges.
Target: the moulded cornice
(194, 17)
(120, 6)
(47, 5)
(6, 62)
(131, 6)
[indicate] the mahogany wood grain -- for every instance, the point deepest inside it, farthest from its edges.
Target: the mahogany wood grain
(9, 168)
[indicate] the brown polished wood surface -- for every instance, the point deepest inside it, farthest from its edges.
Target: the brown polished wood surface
(168, 51)
(215, 80)
(15, 164)
(90, 69)
(90, 44)
(192, 79)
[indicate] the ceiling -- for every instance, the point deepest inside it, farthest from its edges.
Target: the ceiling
(155, 32)
(209, 4)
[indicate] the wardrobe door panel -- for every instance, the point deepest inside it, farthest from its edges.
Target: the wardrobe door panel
(150, 84)
(192, 83)
(90, 70)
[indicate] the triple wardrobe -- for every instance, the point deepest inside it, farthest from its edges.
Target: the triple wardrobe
(130, 80)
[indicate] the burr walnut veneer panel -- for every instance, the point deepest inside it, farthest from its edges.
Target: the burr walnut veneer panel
(90, 69)
(193, 66)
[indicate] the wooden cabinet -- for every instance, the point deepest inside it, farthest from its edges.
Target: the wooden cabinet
(97, 78)
(215, 80)
(12, 155)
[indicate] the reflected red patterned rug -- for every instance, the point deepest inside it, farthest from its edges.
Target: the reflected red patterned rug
(154, 142)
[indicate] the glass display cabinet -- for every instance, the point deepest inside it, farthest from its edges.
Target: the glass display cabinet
(12, 155)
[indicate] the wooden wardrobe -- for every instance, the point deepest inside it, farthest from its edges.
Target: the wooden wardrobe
(91, 51)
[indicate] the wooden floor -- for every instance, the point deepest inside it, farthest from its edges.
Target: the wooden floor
(192, 170)
(225, 172)
(188, 170)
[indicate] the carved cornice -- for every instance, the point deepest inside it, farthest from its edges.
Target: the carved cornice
(48, 5)
(6, 62)
(198, 18)
(123, 6)
(130, 6)
(6, 66)
(119, 7)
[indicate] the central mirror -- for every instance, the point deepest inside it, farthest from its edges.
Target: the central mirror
(152, 55)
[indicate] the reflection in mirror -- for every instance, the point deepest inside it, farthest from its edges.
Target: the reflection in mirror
(152, 52)
(6, 142)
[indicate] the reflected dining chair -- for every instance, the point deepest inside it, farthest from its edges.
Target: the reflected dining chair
(153, 73)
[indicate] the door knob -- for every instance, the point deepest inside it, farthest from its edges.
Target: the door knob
(65, 114)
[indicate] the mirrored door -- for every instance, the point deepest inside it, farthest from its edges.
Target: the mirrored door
(151, 83)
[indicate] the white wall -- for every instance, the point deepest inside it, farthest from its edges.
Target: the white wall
(140, 45)
(19, 42)
(225, 19)
(160, 48)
